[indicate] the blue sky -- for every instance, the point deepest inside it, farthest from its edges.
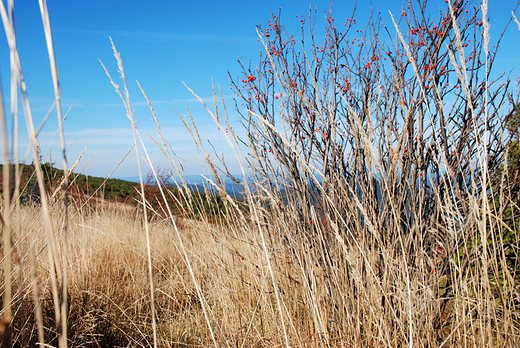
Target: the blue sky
(163, 43)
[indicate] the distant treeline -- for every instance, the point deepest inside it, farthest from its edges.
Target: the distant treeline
(195, 205)
(113, 189)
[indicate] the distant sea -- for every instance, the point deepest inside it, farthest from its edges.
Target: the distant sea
(196, 183)
(194, 179)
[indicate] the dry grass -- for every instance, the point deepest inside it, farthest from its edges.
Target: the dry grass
(354, 301)
(394, 245)
(109, 304)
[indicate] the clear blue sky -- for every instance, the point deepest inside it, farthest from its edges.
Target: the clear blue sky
(163, 43)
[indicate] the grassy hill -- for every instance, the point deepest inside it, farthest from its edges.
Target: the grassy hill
(110, 189)
(195, 204)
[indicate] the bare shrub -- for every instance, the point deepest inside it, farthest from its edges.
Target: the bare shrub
(380, 144)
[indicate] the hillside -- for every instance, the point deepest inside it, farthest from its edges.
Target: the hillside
(196, 204)
(110, 189)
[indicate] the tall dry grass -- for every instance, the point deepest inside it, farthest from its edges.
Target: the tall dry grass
(377, 214)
